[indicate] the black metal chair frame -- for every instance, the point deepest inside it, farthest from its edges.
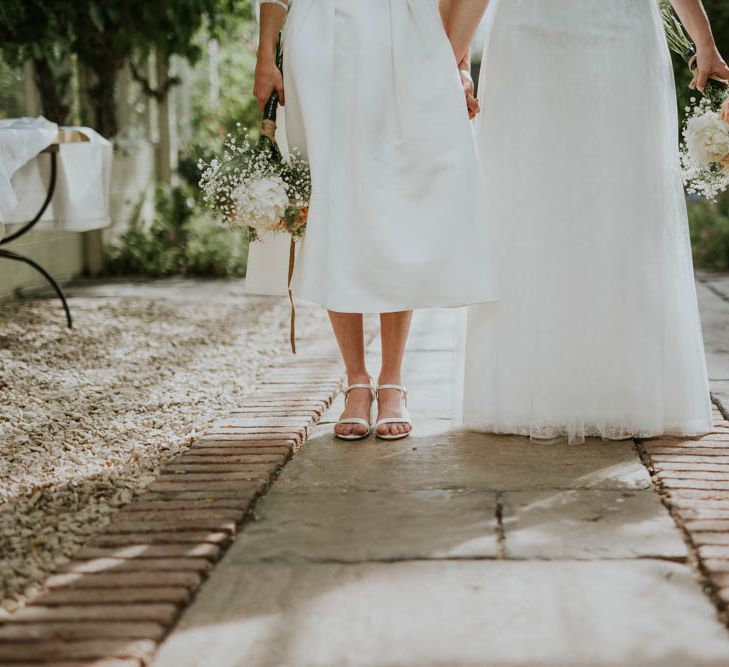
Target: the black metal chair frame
(52, 151)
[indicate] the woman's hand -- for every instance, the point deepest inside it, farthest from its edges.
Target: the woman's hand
(709, 63)
(268, 79)
(472, 104)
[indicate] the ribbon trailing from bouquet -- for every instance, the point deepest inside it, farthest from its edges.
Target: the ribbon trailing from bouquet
(292, 261)
(268, 141)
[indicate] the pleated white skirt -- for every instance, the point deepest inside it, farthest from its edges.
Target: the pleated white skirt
(597, 331)
(374, 102)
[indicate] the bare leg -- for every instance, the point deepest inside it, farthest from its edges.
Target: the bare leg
(349, 331)
(395, 328)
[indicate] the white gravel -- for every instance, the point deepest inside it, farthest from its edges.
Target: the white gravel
(88, 417)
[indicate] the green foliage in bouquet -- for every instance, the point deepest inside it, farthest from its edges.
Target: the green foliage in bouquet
(181, 240)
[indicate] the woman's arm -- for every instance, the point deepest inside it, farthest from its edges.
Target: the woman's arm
(708, 59)
(268, 76)
(460, 20)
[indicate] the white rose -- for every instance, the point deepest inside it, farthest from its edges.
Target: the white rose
(707, 138)
(261, 204)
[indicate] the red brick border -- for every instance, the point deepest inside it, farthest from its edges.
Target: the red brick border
(123, 592)
(692, 476)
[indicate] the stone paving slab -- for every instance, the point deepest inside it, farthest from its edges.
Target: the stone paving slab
(365, 526)
(713, 293)
(436, 458)
(450, 614)
(579, 524)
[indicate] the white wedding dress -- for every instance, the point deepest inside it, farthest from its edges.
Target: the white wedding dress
(374, 101)
(597, 331)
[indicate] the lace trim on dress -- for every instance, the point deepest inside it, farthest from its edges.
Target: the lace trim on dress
(575, 435)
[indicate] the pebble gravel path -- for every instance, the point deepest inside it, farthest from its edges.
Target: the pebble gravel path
(89, 417)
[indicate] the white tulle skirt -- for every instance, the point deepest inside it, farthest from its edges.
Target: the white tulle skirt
(597, 331)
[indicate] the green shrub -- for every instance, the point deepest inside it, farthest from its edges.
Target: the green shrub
(212, 120)
(214, 250)
(11, 91)
(710, 233)
(182, 239)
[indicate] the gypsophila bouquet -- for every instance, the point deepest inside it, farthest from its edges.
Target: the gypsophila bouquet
(705, 150)
(705, 145)
(252, 186)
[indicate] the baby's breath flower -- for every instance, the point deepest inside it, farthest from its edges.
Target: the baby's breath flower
(705, 151)
(246, 187)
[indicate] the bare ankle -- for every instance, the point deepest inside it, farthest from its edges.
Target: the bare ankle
(359, 377)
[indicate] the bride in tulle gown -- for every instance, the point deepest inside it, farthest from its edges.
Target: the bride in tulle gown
(597, 331)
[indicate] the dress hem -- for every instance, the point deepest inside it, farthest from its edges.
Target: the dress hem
(394, 309)
(578, 435)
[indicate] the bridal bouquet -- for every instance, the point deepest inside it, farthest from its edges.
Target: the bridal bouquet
(251, 185)
(705, 150)
(705, 145)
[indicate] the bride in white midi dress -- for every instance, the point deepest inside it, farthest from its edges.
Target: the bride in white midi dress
(597, 332)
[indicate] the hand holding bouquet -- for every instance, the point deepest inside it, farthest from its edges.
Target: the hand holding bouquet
(705, 68)
(705, 146)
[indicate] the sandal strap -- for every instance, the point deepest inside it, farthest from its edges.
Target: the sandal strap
(393, 420)
(355, 420)
(360, 386)
(401, 388)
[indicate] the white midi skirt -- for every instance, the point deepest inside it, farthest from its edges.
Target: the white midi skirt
(373, 100)
(597, 331)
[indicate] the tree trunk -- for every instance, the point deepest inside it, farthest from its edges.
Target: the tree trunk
(30, 91)
(103, 97)
(55, 107)
(167, 145)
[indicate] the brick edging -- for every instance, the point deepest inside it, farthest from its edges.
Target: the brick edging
(692, 477)
(114, 603)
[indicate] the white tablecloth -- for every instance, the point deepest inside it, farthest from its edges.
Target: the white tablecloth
(21, 139)
(81, 200)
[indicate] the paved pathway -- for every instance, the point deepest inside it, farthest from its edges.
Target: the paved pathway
(714, 302)
(453, 549)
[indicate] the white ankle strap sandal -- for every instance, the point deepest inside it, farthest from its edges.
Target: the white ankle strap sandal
(403, 419)
(357, 420)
